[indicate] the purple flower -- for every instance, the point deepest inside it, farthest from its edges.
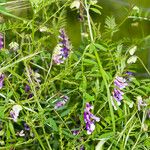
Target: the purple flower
(120, 82)
(1, 41)
(118, 95)
(75, 132)
(26, 127)
(27, 88)
(62, 50)
(90, 119)
(14, 113)
(2, 76)
(141, 103)
(129, 73)
(62, 102)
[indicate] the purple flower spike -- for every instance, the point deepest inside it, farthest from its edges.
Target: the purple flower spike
(2, 76)
(90, 119)
(120, 82)
(62, 50)
(1, 41)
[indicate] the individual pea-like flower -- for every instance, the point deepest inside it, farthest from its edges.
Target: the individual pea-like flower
(27, 88)
(62, 49)
(14, 46)
(14, 113)
(118, 95)
(140, 102)
(43, 29)
(2, 76)
(1, 41)
(26, 127)
(90, 119)
(21, 133)
(75, 132)
(120, 82)
(62, 102)
(75, 4)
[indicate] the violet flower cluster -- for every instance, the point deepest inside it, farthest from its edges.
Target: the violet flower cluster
(62, 50)
(1, 41)
(120, 83)
(2, 76)
(90, 119)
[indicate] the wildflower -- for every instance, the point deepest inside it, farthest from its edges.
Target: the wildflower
(14, 46)
(132, 59)
(132, 50)
(61, 103)
(129, 73)
(90, 119)
(27, 88)
(75, 4)
(118, 95)
(120, 82)
(26, 127)
(2, 76)
(21, 133)
(75, 132)
(43, 29)
(140, 102)
(14, 113)
(1, 41)
(62, 50)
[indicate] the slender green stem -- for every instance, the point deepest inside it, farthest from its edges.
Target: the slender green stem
(102, 72)
(144, 66)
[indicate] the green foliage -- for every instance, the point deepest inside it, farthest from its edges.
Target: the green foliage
(87, 75)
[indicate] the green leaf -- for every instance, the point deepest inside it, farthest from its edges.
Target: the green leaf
(106, 135)
(100, 144)
(95, 10)
(90, 62)
(78, 75)
(88, 97)
(51, 122)
(2, 112)
(65, 113)
(2, 132)
(11, 128)
(101, 47)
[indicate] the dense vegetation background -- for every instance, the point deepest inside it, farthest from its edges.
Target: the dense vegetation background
(74, 74)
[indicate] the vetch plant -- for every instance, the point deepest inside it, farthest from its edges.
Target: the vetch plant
(90, 119)
(63, 48)
(2, 76)
(69, 78)
(14, 113)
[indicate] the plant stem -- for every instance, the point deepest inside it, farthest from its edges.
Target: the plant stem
(102, 71)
